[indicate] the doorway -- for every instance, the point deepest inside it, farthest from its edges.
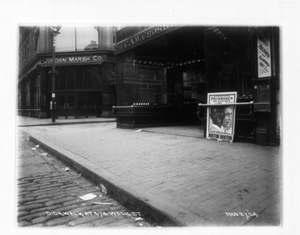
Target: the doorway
(79, 105)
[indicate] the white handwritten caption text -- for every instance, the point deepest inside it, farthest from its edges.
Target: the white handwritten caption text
(247, 214)
(91, 213)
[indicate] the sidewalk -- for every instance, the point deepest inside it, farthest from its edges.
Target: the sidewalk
(174, 171)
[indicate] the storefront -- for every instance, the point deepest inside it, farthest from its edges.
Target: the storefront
(84, 86)
(163, 73)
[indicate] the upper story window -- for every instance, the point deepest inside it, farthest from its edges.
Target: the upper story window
(77, 38)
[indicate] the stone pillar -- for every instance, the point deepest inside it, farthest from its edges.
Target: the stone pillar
(43, 94)
(106, 38)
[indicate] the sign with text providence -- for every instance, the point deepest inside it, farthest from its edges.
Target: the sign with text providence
(221, 119)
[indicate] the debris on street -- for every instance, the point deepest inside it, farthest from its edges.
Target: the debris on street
(102, 203)
(88, 196)
(103, 189)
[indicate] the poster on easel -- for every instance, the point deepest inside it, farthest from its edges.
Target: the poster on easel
(220, 116)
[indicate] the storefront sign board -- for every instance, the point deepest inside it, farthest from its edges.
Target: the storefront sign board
(73, 60)
(221, 119)
(264, 57)
(143, 37)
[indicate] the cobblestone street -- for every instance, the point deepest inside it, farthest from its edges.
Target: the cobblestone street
(49, 195)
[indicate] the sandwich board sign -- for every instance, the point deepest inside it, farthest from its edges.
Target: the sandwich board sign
(221, 116)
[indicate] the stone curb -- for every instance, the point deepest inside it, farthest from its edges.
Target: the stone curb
(127, 193)
(66, 123)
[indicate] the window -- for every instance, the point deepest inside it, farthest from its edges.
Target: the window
(87, 38)
(79, 79)
(187, 79)
(88, 80)
(77, 38)
(27, 91)
(70, 79)
(142, 84)
(60, 80)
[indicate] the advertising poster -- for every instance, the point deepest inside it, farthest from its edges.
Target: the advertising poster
(264, 57)
(220, 116)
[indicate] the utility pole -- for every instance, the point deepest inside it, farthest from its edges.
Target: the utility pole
(54, 31)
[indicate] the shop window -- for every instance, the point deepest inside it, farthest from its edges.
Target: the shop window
(61, 101)
(70, 79)
(246, 86)
(186, 84)
(81, 101)
(187, 80)
(91, 102)
(96, 82)
(88, 80)
(142, 84)
(76, 79)
(79, 79)
(61, 80)
(71, 100)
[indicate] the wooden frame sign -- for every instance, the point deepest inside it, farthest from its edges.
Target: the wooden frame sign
(221, 116)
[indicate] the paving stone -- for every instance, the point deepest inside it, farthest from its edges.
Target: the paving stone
(83, 220)
(40, 219)
(37, 225)
(51, 190)
(59, 201)
(41, 184)
(30, 217)
(24, 186)
(25, 199)
(85, 225)
(59, 221)
(59, 196)
(32, 188)
(37, 201)
(104, 221)
(29, 207)
(46, 208)
(50, 186)
(67, 208)
(23, 213)
(44, 196)
(121, 223)
(23, 223)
